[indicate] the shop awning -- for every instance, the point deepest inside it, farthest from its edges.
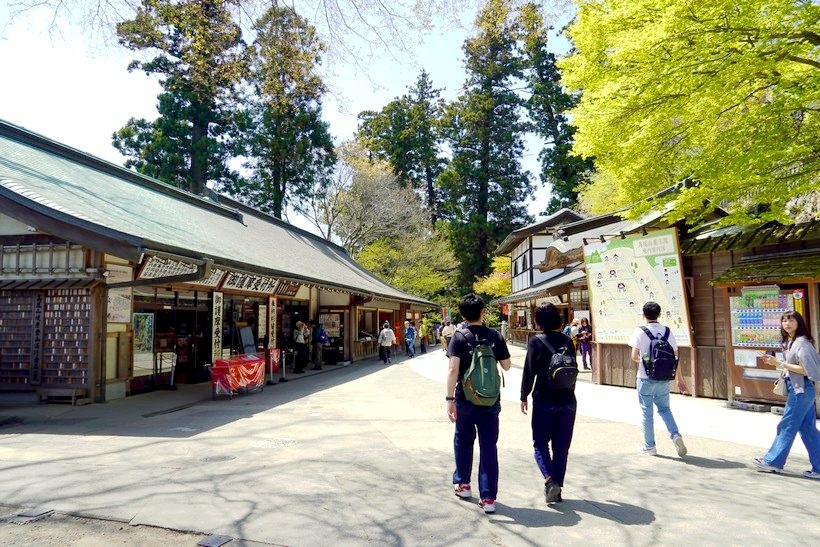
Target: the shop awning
(62, 283)
(774, 268)
(543, 288)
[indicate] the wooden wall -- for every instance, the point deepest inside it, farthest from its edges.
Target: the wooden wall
(704, 369)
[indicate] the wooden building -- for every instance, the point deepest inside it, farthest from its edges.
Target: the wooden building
(108, 278)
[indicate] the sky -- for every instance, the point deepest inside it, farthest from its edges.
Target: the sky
(76, 90)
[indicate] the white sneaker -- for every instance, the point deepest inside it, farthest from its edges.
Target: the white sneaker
(765, 467)
(679, 446)
(648, 451)
(812, 474)
(487, 505)
(463, 491)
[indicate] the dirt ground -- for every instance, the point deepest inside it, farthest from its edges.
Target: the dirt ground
(68, 530)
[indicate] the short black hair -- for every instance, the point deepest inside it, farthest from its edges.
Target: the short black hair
(547, 317)
(471, 306)
(652, 310)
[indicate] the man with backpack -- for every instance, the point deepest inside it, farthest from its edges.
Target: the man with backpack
(474, 400)
(655, 350)
(550, 372)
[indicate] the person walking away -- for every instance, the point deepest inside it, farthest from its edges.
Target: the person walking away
(585, 339)
(409, 339)
(386, 340)
(319, 339)
(652, 392)
(472, 420)
(573, 333)
(801, 369)
(301, 335)
(553, 407)
(447, 333)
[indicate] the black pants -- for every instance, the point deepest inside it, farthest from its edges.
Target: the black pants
(552, 426)
(301, 357)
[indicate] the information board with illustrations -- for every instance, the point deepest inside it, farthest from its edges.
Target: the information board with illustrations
(624, 274)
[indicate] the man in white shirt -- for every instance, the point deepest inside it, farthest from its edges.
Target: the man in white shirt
(386, 340)
(651, 392)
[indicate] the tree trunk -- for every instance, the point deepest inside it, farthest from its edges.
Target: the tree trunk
(199, 156)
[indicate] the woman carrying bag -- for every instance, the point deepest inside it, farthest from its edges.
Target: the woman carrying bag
(801, 369)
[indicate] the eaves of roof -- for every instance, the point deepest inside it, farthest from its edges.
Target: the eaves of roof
(563, 277)
(62, 191)
(782, 267)
(734, 237)
(558, 218)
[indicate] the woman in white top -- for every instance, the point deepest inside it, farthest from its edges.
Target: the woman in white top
(801, 369)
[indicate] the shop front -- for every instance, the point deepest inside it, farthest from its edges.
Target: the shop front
(131, 284)
(48, 305)
(371, 316)
(758, 290)
(559, 290)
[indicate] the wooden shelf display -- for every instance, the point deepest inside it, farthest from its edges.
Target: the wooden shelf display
(45, 337)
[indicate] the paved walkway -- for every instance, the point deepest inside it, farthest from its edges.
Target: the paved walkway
(362, 455)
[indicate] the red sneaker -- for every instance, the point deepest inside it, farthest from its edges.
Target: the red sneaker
(488, 505)
(463, 491)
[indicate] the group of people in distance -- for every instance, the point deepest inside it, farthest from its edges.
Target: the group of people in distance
(387, 339)
(553, 410)
(308, 342)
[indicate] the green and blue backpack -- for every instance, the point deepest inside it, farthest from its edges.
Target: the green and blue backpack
(481, 382)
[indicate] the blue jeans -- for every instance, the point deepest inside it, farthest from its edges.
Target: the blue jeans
(799, 416)
(655, 392)
(552, 424)
(483, 420)
(409, 345)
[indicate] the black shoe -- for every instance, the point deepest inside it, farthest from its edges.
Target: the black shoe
(552, 492)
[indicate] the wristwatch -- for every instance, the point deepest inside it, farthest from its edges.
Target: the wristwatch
(449, 398)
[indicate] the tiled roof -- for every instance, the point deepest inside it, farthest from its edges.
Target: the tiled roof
(783, 267)
(41, 179)
(563, 277)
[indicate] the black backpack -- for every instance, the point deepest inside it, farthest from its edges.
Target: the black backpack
(563, 368)
(660, 363)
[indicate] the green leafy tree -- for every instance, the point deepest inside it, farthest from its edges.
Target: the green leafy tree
(198, 54)
(484, 185)
(419, 264)
(499, 282)
(288, 147)
(722, 93)
(405, 133)
(548, 104)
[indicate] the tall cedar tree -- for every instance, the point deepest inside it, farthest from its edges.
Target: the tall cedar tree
(406, 134)
(484, 184)
(198, 56)
(288, 146)
(547, 105)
